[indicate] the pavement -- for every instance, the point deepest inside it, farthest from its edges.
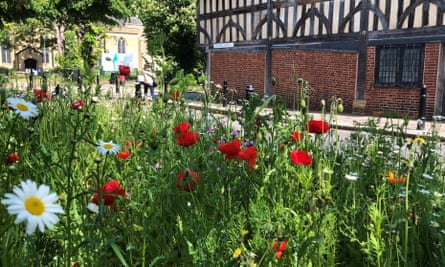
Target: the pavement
(352, 121)
(342, 121)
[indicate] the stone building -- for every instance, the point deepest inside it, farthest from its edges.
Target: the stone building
(125, 43)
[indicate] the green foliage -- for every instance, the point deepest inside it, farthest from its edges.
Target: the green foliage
(170, 28)
(71, 57)
(182, 81)
(90, 47)
(15, 11)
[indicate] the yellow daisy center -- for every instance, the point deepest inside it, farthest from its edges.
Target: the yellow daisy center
(22, 107)
(108, 146)
(34, 205)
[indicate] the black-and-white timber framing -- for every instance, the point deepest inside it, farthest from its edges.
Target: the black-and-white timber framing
(244, 22)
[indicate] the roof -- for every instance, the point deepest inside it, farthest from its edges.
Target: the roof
(130, 21)
(134, 21)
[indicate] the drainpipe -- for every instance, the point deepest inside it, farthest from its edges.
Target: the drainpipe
(268, 71)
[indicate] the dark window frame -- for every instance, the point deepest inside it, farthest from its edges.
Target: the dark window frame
(390, 69)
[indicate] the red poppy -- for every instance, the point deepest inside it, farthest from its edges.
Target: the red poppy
(249, 154)
(187, 180)
(123, 155)
(296, 136)
(39, 94)
(11, 158)
(110, 191)
(176, 95)
(187, 139)
(318, 126)
(300, 157)
(279, 247)
(78, 104)
(231, 149)
(182, 127)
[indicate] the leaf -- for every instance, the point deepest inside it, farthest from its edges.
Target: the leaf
(155, 260)
(262, 107)
(118, 252)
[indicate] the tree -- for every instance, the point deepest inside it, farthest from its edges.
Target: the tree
(15, 11)
(170, 28)
(81, 13)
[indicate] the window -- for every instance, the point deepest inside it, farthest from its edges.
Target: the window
(44, 49)
(6, 54)
(121, 46)
(45, 54)
(399, 66)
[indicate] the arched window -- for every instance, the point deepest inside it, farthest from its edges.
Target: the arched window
(6, 52)
(121, 46)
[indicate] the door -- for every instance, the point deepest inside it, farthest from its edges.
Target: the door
(30, 63)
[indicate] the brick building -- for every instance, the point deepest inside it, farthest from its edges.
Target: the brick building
(374, 54)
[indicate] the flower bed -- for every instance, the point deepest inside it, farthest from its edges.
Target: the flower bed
(117, 183)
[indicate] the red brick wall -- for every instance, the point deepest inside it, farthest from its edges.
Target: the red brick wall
(404, 101)
(329, 73)
(431, 75)
(325, 79)
(239, 69)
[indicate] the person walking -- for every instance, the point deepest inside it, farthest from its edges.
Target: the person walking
(149, 82)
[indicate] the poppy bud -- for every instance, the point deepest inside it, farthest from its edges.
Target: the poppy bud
(303, 103)
(11, 158)
(78, 104)
(340, 108)
(259, 136)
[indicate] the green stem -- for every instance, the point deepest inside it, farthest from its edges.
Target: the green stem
(68, 205)
(8, 141)
(405, 245)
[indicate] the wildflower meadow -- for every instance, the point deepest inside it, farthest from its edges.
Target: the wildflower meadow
(88, 180)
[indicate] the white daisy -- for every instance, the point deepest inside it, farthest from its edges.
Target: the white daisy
(34, 205)
(22, 107)
(108, 147)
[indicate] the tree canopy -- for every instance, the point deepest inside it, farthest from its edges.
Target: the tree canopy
(67, 12)
(170, 25)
